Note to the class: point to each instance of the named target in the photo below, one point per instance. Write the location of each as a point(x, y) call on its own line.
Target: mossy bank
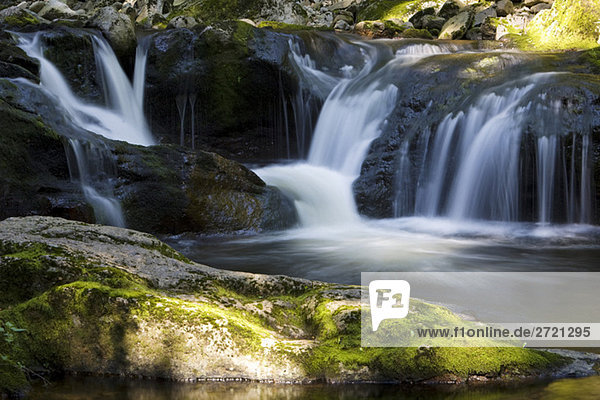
point(96, 299)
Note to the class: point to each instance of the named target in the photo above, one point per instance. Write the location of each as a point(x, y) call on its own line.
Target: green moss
point(221, 10)
point(569, 24)
point(283, 27)
point(593, 58)
point(388, 9)
point(21, 19)
point(417, 34)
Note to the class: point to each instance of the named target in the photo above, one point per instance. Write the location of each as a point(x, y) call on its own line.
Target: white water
point(473, 164)
point(121, 119)
point(89, 157)
point(351, 118)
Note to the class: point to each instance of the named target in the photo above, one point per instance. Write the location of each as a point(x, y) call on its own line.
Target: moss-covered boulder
point(110, 300)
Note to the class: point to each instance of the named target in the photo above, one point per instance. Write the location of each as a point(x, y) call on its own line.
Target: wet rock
point(457, 26)
point(117, 28)
point(134, 289)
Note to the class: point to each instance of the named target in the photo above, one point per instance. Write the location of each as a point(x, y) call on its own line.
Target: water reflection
point(76, 388)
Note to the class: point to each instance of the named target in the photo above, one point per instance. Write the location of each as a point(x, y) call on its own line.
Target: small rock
point(474, 34)
point(450, 9)
point(341, 25)
point(457, 26)
point(117, 28)
point(37, 6)
point(504, 7)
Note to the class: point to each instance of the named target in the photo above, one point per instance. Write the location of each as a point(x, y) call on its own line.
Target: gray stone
point(417, 18)
point(504, 7)
point(457, 26)
point(430, 22)
point(450, 9)
point(481, 16)
point(341, 25)
point(55, 9)
point(118, 29)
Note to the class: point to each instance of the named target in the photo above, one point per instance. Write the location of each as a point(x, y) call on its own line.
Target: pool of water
point(340, 253)
point(80, 388)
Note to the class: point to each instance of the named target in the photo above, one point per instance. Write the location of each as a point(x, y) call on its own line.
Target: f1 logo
point(389, 300)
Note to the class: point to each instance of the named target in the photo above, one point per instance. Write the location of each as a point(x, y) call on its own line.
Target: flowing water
point(122, 118)
point(462, 200)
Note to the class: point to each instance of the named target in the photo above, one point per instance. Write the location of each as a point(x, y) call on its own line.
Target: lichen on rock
point(111, 300)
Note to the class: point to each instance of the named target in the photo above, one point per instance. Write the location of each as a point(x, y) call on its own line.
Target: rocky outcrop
point(163, 189)
point(97, 300)
point(118, 29)
point(241, 88)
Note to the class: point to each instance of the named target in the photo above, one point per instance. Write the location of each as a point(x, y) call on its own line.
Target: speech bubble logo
point(389, 300)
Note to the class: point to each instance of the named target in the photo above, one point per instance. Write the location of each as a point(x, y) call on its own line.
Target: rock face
point(236, 73)
point(414, 120)
point(163, 189)
point(97, 299)
point(117, 28)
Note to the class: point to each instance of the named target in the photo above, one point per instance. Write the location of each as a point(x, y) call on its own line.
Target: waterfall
point(121, 119)
point(474, 162)
point(355, 108)
point(89, 163)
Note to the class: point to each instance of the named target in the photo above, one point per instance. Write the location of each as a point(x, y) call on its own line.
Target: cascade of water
point(351, 118)
point(473, 163)
point(181, 101)
point(88, 164)
point(193, 97)
point(122, 118)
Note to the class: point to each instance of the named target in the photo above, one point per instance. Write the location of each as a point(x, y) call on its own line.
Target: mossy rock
point(416, 34)
point(569, 24)
point(388, 9)
point(130, 305)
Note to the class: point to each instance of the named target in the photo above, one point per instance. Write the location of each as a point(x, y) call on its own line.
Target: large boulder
point(457, 26)
point(167, 189)
point(103, 300)
point(117, 28)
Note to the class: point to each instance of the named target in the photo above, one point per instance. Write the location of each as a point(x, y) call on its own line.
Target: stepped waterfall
point(121, 118)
